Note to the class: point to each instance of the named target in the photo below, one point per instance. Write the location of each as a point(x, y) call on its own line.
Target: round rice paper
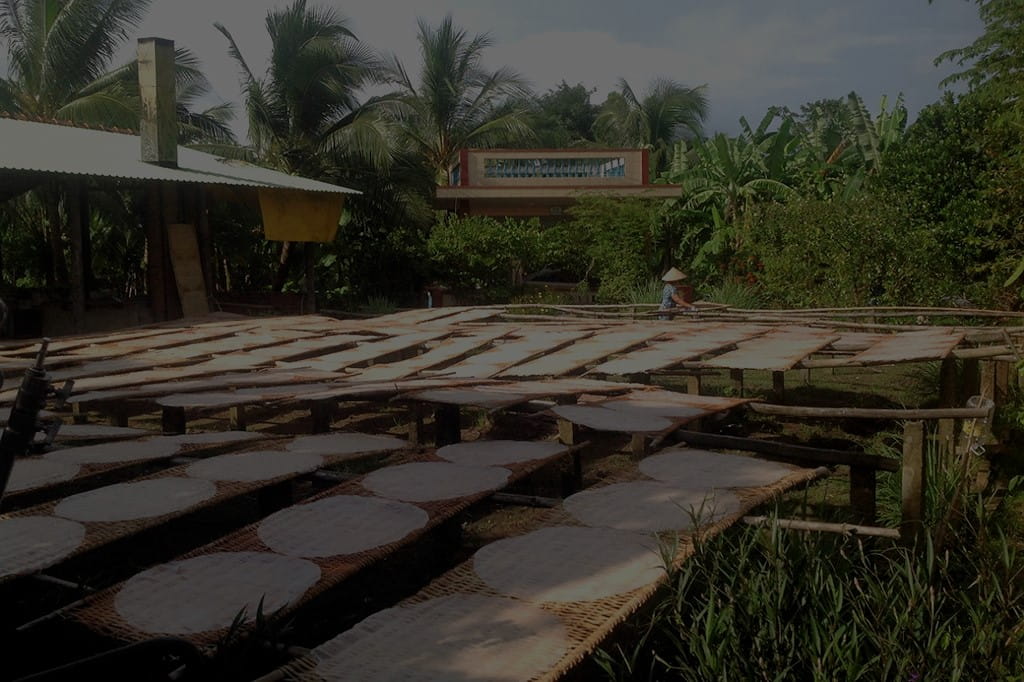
point(567, 563)
point(430, 481)
point(649, 507)
point(342, 524)
point(604, 419)
point(343, 443)
point(136, 500)
point(696, 469)
point(207, 592)
point(465, 637)
point(116, 453)
point(35, 472)
point(32, 543)
point(252, 467)
point(498, 452)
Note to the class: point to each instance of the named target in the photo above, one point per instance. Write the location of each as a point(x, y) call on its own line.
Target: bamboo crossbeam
point(869, 413)
point(787, 451)
point(843, 528)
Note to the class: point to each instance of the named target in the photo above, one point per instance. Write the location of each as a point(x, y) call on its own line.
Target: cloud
point(751, 55)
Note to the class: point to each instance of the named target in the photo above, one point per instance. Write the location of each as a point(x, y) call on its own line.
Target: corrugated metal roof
point(50, 148)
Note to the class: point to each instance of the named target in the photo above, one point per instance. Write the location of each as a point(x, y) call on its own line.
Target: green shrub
point(735, 293)
point(623, 243)
point(483, 254)
point(862, 251)
point(772, 604)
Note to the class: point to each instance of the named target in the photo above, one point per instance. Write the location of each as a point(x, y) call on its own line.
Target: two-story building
point(544, 183)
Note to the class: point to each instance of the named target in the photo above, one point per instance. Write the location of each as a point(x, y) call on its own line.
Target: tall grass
point(772, 604)
point(736, 294)
point(645, 292)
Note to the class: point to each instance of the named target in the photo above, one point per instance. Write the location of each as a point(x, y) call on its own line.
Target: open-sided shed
point(179, 184)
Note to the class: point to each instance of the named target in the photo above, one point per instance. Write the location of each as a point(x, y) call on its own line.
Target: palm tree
point(59, 68)
point(666, 113)
point(304, 114)
point(305, 109)
point(457, 103)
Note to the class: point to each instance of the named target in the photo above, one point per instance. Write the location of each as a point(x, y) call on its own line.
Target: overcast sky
point(752, 54)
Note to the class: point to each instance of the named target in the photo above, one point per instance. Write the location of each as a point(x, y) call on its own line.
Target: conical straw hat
point(673, 275)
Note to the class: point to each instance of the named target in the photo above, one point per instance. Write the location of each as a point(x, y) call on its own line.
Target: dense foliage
point(836, 202)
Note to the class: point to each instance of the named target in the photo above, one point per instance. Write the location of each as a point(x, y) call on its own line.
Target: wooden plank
point(472, 315)
point(582, 353)
point(450, 350)
point(777, 350)
point(366, 352)
point(269, 377)
point(863, 484)
point(693, 343)
point(931, 344)
point(501, 357)
point(186, 266)
point(913, 481)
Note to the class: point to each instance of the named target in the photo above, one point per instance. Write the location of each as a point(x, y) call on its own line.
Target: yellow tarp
point(296, 216)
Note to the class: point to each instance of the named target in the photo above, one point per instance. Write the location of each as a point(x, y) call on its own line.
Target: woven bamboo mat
point(102, 615)
point(586, 623)
point(101, 533)
point(41, 475)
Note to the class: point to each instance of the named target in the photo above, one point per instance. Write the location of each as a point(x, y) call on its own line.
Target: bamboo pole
point(785, 451)
point(868, 413)
point(843, 528)
point(913, 482)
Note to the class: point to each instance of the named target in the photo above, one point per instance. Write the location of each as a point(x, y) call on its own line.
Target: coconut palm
point(60, 67)
point(665, 114)
point(305, 110)
point(305, 116)
point(457, 103)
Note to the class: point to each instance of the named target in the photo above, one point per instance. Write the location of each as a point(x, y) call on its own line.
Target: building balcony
point(532, 182)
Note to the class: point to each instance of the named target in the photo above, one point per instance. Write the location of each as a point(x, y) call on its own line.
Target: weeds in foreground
point(736, 294)
point(770, 604)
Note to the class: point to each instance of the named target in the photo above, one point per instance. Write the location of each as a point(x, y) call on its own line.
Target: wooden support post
point(945, 439)
point(237, 418)
point(737, 381)
point(862, 492)
point(971, 383)
point(205, 239)
point(638, 445)
point(322, 413)
point(79, 414)
point(568, 433)
point(119, 417)
point(779, 384)
point(447, 426)
point(173, 420)
point(987, 380)
point(156, 244)
point(913, 482)
point(78, 224)
point(693, 384)
point(948, 382)
point(806, 375)
point(417, 434)
point(309, 250)
point(275, 497)
point(1002, 381)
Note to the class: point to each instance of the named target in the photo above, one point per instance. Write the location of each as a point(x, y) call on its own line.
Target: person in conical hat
point(672, 296)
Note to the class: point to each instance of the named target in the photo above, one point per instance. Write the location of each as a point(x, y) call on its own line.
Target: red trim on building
point(464, 167)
